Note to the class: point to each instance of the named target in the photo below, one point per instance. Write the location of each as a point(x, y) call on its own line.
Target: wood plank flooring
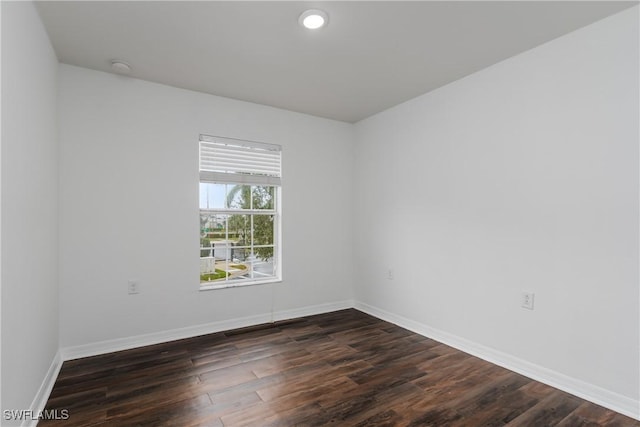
point(343, 368)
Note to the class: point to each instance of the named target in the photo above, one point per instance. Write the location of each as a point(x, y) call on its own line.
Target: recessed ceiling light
point(313, 19)
point(120, 67)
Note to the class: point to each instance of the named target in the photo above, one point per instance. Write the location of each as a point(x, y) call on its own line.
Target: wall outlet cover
point(527, 300)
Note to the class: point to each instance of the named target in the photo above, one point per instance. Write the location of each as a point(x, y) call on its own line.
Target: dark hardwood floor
point(344, 368)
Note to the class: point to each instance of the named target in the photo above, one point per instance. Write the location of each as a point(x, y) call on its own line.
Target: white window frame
point(267, 173)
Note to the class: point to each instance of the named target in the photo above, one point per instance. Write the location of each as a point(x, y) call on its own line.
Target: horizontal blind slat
point(238, 178)
point(239, 142)
point(225, 159)
point(210, 146)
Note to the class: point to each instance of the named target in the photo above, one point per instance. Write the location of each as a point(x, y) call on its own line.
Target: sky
point(212, 195)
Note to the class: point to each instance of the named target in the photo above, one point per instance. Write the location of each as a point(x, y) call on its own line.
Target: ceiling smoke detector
point(120, 67)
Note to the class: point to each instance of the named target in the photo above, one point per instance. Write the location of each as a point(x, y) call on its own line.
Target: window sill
point(238, 284)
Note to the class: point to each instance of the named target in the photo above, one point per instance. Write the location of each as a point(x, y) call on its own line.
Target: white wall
point(29, 205)
point(523, 176)
point(129, 207)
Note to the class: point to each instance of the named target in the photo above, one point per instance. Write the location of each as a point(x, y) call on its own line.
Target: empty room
point(350, 213)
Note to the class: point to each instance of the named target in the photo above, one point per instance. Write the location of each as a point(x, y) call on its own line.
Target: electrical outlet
point(133, 287)
point(527, 300)
point(390, 274)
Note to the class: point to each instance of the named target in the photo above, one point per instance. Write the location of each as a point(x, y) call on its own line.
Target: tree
point(256, 198)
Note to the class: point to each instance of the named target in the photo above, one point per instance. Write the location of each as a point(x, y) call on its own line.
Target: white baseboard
point(102, 347)
point(312, 310)
point(40, 400)
point(584, 390)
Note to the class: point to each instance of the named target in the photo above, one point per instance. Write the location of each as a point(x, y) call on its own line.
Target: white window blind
point(239, 162)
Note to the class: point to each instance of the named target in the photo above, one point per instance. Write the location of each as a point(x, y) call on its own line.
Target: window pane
point(231, 269)
point(212, 227)
point(212, 196)
point(212, 231)
point(238, 197)
point(214, 247)
point(241, 254)
point(263, 268)
point(240, 229)
point(263, 230)
point(263, 197)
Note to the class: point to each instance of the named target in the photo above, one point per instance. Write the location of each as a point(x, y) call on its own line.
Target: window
point(239, 212)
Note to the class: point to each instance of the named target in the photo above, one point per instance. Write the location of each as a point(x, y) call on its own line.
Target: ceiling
point(371, 56)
